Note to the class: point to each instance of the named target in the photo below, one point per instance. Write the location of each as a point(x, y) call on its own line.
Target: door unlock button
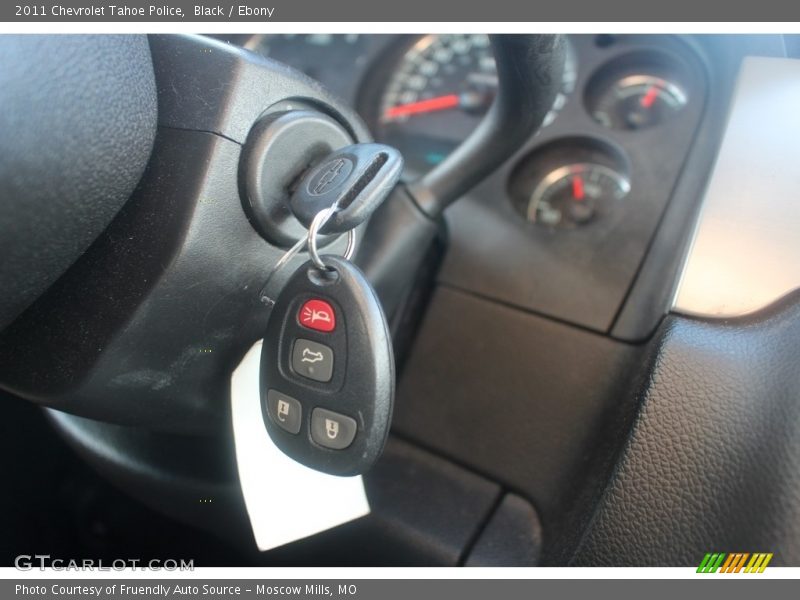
point(332, 430)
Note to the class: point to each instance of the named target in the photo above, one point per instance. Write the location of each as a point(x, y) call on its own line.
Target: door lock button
point(285, 411)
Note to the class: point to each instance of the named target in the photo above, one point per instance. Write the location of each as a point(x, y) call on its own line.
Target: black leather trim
point(713, 460)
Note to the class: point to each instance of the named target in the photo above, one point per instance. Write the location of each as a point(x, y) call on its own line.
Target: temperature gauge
point(570, 183)
point(571, 195)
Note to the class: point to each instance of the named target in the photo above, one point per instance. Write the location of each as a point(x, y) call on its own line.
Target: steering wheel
point(145, 315)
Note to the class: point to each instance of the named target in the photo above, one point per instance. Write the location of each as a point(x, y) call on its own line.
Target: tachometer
point(336, 60)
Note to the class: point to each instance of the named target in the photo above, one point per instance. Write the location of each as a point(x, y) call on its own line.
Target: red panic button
point(317, 314)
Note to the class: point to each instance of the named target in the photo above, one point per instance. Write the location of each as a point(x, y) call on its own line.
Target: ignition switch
point(280, 148)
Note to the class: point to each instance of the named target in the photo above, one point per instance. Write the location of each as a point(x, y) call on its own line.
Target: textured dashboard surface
point(77, 123)
point(520, 399)
point(713, 461)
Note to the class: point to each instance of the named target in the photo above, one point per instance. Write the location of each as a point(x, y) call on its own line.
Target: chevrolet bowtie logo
point(734, 562)
point(330, 175)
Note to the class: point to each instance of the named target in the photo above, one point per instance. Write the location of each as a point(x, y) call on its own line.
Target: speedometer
point(436, 92)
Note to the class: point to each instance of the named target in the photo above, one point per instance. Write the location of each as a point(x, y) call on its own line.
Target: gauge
point(569, 182)
point(336, 60)
point(438, 90)
point(570, 195)
point(635, 97)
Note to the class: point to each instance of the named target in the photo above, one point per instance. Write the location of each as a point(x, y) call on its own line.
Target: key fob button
point(285, 411)
point(332, 430)
point(312, 360)
point(318, 315)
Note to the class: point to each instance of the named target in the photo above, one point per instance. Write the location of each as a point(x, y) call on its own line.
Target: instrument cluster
point(425, 94)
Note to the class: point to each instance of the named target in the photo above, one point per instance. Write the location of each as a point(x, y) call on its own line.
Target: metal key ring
point(267, 293)
point(313, 231)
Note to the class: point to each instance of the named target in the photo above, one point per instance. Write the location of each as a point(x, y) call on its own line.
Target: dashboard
point(562, 228)
point(536, 387)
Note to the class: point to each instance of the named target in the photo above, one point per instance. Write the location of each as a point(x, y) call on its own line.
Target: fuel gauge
point(635, 95)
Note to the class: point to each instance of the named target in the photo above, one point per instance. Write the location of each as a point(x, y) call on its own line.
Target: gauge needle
point(650, 97)
point(424, 106)
point(577, 188)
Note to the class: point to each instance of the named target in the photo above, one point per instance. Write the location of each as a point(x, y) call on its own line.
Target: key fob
point(327, 370)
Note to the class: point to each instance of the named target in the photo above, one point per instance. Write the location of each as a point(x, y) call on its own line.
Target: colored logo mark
point(734, 562)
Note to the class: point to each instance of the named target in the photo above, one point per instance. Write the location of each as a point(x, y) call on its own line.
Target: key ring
point(313, 231)
point(266, 295)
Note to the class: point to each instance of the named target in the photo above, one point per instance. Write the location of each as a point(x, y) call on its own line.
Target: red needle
point(577, 188)
point(650, 97)
point(424, 106)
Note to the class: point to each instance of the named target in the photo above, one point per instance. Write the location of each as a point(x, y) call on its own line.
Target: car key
point(327, 366)
point(349, 183)
point(355, 179)
point(327, 369)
